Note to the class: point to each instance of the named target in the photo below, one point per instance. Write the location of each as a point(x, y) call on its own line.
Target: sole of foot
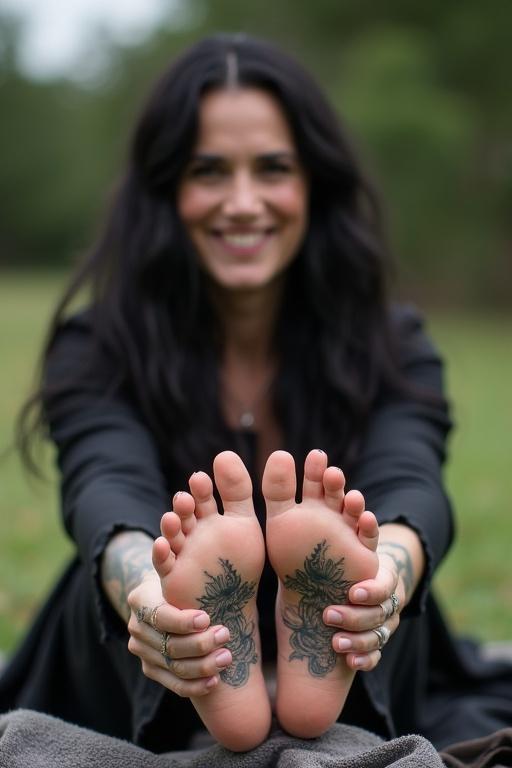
point(318, 549)
point(214, 562)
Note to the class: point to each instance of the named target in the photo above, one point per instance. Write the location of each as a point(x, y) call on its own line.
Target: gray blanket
point(32, 740)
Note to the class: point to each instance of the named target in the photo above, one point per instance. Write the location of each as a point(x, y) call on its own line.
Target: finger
point(168, 619)
point(198, 644)
point(354, 618)
point(363, 642)
point(186, 669)
point(374, 591)
point(181, 646)
point(183, 688)
point(363, 662)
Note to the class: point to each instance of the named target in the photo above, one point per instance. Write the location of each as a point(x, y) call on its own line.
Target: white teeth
point(245, 240)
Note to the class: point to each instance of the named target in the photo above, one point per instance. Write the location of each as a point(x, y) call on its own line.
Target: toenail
point(334, 617)
point(344, 644)
point(223, 658)
point(222, 635)
point(201, 621)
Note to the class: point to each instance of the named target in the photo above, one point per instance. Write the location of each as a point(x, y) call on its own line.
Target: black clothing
point(75, 663)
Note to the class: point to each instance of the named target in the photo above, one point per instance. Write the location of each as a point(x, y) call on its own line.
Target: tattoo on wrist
point(402, 559)
point(321, 583)
point(223, 599)
point(125, 563)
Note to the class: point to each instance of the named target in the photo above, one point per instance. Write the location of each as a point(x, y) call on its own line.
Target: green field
point(475, 582)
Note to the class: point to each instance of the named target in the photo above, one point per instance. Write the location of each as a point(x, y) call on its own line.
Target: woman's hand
point(373, 614)
point(177, 648)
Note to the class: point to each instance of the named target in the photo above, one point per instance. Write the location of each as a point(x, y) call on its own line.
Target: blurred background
point(425, 90)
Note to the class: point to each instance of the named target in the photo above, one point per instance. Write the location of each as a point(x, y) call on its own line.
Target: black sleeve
point(400, 467)
point(110, 469)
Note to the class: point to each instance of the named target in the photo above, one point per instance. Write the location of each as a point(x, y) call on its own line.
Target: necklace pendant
point(247, 420)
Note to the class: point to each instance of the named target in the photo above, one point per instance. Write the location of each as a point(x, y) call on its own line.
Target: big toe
point(233, 483)
point(279, 483)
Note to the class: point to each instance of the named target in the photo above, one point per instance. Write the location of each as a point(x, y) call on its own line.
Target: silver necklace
point(247, 411)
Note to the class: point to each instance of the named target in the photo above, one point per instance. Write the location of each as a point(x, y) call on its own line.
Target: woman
point(238, 308)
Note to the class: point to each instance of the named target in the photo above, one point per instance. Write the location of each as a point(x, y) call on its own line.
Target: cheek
point(193, 205)
point(291, 201)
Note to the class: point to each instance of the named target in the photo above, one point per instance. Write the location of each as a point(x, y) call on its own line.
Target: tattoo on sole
point(224, 597)
point(321, 583)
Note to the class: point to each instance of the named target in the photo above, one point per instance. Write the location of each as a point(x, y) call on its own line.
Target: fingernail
point(212, 682)
point(201, 621)
point(344, 644)
point(320, 450)
point(334, 617)
point(223, 658)
point(359, 661)
point(360, 595)
point(222, 635)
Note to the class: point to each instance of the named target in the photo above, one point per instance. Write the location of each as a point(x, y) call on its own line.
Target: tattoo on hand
point(321, 583)
point(402, 559)
point(126, 562)
point(224, 598)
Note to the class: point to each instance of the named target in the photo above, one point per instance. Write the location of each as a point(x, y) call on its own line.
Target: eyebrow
point(206, 157)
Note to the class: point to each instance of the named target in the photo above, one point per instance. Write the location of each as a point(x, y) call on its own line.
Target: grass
point(474, 582)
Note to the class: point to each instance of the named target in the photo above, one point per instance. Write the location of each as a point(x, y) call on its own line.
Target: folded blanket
point(33, 740)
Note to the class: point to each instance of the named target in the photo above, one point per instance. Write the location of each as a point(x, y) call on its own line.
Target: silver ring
point(395, 603)
point(383, 635)
point(152, 618)
point(163, 648)
point(387, 609)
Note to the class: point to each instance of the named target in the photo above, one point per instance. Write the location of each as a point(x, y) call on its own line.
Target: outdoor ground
point(474, 583)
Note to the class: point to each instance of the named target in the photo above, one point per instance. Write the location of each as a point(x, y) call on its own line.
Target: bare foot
point(318, 549)
point(214, 562)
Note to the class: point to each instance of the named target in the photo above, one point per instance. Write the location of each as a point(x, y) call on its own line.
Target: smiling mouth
point(244, 241)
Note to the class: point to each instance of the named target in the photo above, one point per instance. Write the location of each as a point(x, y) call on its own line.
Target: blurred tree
point(423, 86)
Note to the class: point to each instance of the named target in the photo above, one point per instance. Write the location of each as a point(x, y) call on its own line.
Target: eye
point(276, 167)
point(204, 170)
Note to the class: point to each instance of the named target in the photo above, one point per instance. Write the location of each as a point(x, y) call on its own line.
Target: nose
point(243, 199)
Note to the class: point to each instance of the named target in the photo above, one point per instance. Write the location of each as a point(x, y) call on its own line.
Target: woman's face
point(244, 196)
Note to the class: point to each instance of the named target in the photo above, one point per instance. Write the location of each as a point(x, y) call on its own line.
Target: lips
point(243, 241)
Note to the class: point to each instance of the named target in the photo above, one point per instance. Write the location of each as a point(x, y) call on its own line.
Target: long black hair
point(149, 306)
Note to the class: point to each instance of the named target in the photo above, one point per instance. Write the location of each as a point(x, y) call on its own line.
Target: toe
point(233, 483)
point(334, 488)
point(201, 488)
point(353, 507)
point(368, 530)
point(184, 506)
point(163, 557)
point(314, 468)
point(170, 525)
point(279, 482)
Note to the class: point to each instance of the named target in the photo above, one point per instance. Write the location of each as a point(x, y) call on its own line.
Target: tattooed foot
point(214, 562)
point(318, 551)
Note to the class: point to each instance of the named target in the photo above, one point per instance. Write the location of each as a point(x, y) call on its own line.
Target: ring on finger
point(163, 648)
point(383, 635)
point(387, 609)
point(395, 603)
point(152, 618)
